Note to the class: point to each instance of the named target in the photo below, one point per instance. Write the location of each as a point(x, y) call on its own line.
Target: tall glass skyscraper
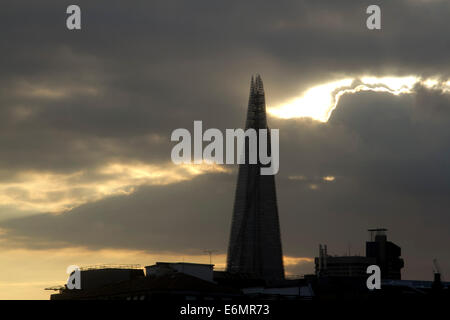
point(255, 242)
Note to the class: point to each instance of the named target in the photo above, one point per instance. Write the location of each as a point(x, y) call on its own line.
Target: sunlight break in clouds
point(50, 192)
point(319, 102)
point(314, 103)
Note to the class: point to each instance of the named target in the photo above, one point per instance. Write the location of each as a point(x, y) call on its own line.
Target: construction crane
point(210, 252)
point(55, 288)
point(436, 269)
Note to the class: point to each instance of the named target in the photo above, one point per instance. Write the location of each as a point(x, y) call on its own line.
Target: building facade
point(379, 251)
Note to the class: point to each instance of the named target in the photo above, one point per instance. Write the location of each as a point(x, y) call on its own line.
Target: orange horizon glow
point(26, 273)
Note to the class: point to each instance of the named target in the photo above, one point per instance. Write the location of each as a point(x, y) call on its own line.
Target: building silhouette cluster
point(379, 251)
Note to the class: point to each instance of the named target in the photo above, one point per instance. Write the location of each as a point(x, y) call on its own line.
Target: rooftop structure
point(201, 271)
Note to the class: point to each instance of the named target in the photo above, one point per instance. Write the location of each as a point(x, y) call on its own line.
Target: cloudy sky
point(86, 117)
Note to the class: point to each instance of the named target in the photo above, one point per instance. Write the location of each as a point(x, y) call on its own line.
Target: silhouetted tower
point(386, 253)
point(255, 242)
point(437, 283)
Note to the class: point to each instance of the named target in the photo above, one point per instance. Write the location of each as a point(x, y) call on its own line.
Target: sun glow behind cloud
point(51, 192)
point(319, 102)
point(314, 103)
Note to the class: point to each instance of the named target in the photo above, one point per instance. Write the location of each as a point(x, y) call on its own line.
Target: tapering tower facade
point(255, 241)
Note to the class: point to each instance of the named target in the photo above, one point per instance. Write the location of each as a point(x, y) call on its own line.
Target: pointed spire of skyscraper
point(259, 84)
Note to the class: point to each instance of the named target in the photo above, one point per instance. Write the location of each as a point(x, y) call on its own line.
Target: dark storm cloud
point(115, 90)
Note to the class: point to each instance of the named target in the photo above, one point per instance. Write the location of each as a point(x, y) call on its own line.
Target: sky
point(86, 117)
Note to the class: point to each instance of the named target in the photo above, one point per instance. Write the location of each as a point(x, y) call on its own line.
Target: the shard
point(255, 242)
